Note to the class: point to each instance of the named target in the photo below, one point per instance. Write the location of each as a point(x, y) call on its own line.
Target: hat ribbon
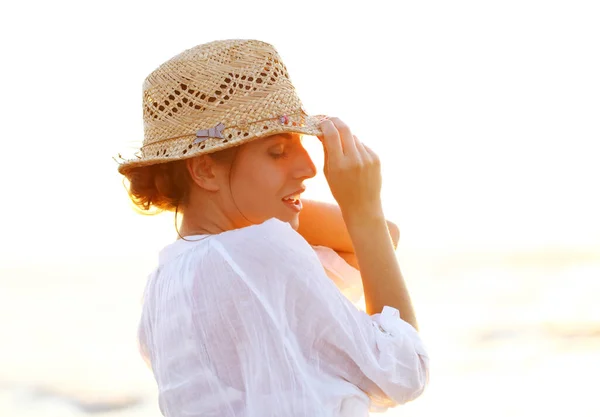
point(213, 132)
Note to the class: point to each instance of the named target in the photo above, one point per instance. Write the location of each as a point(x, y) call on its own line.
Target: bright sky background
point(486, 114)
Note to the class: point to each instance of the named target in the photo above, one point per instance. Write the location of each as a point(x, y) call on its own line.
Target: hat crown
point(234, 82)
point(214, 96)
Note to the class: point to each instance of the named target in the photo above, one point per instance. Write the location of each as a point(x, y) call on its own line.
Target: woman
point(240, 317)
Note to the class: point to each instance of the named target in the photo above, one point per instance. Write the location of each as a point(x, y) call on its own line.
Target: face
point(265, 172)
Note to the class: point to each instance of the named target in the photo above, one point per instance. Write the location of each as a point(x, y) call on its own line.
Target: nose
point(305, 168)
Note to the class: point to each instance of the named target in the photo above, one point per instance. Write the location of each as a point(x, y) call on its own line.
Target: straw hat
point(215, 96)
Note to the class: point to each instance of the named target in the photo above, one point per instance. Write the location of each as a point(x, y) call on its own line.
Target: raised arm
point(322, 224)
point(380, 353)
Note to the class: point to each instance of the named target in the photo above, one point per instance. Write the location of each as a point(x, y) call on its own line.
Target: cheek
point(260, 187)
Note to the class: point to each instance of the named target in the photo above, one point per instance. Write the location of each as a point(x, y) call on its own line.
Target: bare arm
point(323, 224)
point(353, 172)
point(368, 244)
point(383, 282)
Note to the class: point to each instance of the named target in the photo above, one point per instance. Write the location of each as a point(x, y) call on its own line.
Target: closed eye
point(276, 151)
point(279, 155)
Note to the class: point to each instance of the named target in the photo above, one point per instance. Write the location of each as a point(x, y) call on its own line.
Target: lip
point(300, 191)
point(296, 207)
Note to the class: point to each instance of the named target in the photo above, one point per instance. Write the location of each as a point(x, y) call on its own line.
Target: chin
point(293, 221)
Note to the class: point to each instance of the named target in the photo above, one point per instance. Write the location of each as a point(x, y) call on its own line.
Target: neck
point(205, 217)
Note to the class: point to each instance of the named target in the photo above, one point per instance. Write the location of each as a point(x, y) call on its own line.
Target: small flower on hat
point(284, 119)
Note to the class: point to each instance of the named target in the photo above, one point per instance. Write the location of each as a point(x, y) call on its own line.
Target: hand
point(352, 169)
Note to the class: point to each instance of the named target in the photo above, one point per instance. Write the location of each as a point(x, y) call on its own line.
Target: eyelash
point(283, 154)
point(279, 156)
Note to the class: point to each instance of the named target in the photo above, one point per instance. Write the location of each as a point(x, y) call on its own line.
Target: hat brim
point(188, 147)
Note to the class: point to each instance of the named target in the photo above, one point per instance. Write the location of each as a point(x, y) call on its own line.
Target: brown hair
point(165, 187)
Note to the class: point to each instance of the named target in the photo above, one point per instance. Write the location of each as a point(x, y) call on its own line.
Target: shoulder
point(272, 232)
point(273, 241)
point(270, 228)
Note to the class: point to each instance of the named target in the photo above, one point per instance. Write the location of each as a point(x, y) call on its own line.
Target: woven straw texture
point(239, 87)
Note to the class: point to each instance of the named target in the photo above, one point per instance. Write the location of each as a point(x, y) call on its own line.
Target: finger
point(348, 146)
point(331, 141)
point(372, 153)
point(360, 148)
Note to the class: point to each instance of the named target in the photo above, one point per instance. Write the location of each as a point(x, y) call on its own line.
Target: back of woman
point(240, 318)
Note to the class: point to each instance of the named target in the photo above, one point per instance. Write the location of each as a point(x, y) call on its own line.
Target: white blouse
point(249, 323)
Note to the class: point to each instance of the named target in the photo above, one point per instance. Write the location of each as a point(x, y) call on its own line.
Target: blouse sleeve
point(345, 277)
point(381, 354)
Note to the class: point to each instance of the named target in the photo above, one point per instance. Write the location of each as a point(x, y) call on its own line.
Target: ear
point(203, 171)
